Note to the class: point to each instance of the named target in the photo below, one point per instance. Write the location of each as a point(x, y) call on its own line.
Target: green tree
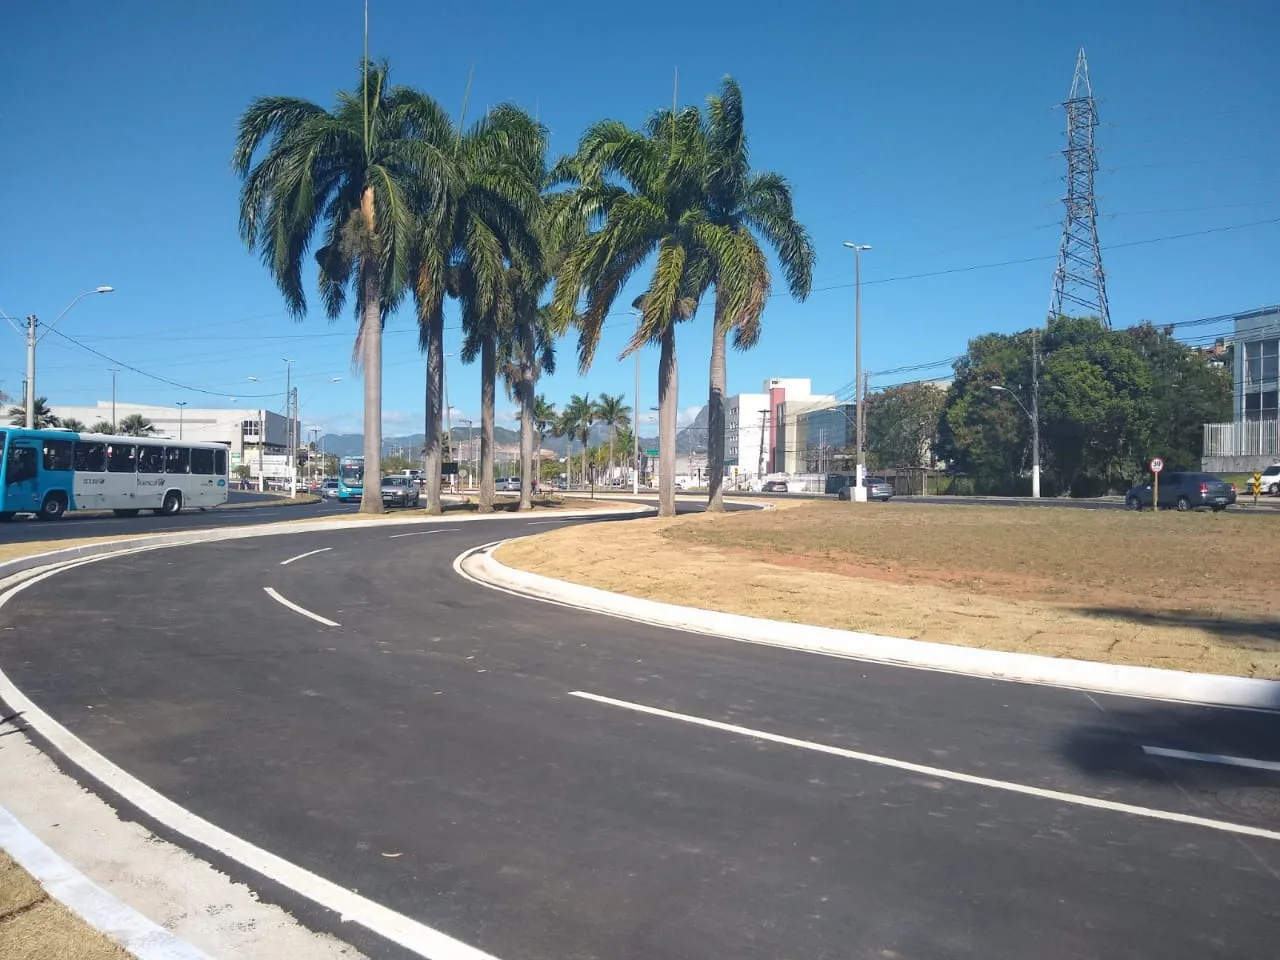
point(464, 236)
point(544, 421)
point(644, 193)
point(575, 423)
point(353, 173)
point(902, 424)
point(614, 414)
point(103, 426)
point(748, 208)
point(43, 416)
point(136, 425)
point(71, 423)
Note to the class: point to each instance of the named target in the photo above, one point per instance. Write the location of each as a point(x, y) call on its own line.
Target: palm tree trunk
point(371, 331)
point(668, 398)
point(612, 434)
point(434, 460)
point(488, 386)
point(715, 415)
point(527, 397)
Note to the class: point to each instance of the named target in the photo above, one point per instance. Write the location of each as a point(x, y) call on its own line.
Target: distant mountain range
point(692, 439)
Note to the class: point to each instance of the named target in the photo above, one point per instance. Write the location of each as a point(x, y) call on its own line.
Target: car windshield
point(393, 482)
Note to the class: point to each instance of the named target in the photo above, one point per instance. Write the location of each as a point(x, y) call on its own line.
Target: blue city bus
point(350, 479)
point(48, 472)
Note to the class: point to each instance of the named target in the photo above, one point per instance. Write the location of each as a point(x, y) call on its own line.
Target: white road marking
point(297, 609)
point(309, 553)
point(421, 533)
point(1212, 758)
point(534, 523)
point(415, 937)
point(938, 772)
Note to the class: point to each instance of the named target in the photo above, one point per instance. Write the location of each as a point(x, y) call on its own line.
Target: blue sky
point(927, 129)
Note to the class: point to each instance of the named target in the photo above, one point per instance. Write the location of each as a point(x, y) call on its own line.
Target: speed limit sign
point(1157, 465)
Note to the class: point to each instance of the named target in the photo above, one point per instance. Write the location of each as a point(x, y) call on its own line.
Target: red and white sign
point(1157, 465)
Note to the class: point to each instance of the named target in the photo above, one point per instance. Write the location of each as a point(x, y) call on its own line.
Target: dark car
point(774, 486)
point(1184, 491)
point(878, 488)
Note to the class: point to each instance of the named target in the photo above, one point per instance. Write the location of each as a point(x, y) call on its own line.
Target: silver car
point(399, 492)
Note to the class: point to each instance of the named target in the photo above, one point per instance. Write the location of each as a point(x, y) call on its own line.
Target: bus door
point(21, 476)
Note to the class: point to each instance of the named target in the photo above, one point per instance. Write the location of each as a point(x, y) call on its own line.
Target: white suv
point(1271, 480)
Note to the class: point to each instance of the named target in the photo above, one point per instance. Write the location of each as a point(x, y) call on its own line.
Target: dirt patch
point(1188, 592)
point(33, 926)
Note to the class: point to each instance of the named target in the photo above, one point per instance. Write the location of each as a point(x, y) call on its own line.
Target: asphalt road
point(439, 723)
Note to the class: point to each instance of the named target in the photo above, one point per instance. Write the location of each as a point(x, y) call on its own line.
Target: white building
point(761, 434)
point(746, 448)
point(263, 450)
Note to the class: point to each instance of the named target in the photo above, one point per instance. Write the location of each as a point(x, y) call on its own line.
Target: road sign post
point(1156, 466)
point(1257, 486)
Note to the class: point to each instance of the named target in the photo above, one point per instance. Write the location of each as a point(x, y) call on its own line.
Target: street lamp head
point(334, 379)
point(104, 289)
point(252, 379)
point(859, 247)
point(996, 386)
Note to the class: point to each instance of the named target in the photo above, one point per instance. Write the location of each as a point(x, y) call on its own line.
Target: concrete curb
point(99, 909)
point(480, 566)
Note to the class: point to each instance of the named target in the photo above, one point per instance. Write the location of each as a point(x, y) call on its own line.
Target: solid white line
point(413, 936)
point(421, 533)
point(1212, 758)
point(938, 772)
point(297, 609)
point(105, 913)
point(309, 553)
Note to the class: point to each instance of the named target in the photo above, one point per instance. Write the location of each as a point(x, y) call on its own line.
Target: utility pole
point(1035, 414)
point(635, 435)
point(181, 404)
point(33, 339)
point(860, 471)
point(114, 371)
point(294, 427)
point(262, 436)
point(764, 427)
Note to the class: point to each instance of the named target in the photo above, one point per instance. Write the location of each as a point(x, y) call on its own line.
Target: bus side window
point(201, 461)
point(121, 458)
point(220, 463)
point(20, 465)
point(57, 454)
point(90, 457)
point(177, 459)
point(150, 459)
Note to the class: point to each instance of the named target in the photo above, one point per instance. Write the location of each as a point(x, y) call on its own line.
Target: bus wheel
point(125, 513)
point(7, 516)
point(54, 507)
point(172, 504)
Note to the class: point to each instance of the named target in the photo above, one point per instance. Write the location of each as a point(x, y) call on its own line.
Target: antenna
point(1079, 280)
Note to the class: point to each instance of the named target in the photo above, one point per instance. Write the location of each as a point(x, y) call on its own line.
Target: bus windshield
point(352, 474)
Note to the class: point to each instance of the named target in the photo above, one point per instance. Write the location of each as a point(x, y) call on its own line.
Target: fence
point(1240, 446)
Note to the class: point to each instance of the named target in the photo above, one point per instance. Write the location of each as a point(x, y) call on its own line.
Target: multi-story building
point(746, 450)
point(1252, 439)
point(789, 400)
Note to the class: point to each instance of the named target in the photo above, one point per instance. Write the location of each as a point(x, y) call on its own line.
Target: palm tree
point(614, 414)
point(103, 426)
point(580, 414)
point(463, 239)
point(44, 417)
point(544, 421)
point(566, 426)
point(643, 192)
point(136, 425)
point(747, 207)
point(527, 351)
point(352, 173)
point(71, 423)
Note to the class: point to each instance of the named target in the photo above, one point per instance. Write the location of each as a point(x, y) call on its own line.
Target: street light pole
point(180, 404)
point(1034, 416)
point(859, 492)
point(635, 435)
point(33, 339)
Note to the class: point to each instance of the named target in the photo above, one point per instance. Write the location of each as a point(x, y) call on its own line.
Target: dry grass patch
point(33, 926)
point(1190, 592)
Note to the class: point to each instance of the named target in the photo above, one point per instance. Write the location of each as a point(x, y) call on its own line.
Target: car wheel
point(54, 507)
point(1183, 504)
point(1133, 503)
point(1274, 489)
point(1218, 509)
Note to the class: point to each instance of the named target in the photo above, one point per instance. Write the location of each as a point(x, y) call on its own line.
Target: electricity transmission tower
point(1079, 284)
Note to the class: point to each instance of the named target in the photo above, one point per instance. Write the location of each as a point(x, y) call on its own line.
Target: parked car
point(1270, 481)
point(399, 492)
point(774, 486)
point(328, 489)
point(878, 488)
point(1184, 491)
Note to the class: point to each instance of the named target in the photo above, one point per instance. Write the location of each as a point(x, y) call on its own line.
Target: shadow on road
point(1236, 627)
